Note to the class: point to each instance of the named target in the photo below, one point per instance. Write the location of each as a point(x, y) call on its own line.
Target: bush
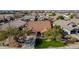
point(60, 17)
point(3, 36)
point(52, 14)
point(72, 16)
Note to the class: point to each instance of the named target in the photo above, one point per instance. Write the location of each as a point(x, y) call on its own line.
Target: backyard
point(43, 43)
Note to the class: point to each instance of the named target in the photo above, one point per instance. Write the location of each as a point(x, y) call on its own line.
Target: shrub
point(60, 17)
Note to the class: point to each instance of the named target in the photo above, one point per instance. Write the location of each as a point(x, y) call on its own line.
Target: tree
point(3, 35)
point(60, 17)
point(54, 33)
point(11, 31)
point(27, 31)
point(72, 16)
point(52, 14)
point(48, 34)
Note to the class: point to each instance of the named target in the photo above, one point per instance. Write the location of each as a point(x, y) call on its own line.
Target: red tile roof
point(38, 26)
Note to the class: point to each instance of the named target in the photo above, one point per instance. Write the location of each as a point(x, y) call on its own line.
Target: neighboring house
point(42, 18)
point(28, 17)
point(69, 26)
point(77, 16)
point(66, 17)
point(5, 18)
point(15, 23)
point(38, 26)
point(6, 15)
point(27, 42)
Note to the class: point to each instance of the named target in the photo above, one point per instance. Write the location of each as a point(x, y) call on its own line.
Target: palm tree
point(54, 33)
point(48, 34)
point(26, 31)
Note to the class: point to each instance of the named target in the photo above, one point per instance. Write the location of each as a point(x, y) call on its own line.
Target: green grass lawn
point(42, 43)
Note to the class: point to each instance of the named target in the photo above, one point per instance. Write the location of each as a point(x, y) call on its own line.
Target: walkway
point(70, 46)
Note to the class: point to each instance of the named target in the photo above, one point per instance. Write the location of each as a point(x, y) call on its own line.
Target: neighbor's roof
point(28, 17)
point(64, 23)
point(38, 26)
point(5, 15)
point(15, 23)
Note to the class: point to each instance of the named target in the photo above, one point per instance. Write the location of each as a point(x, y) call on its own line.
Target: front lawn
point(42, 43)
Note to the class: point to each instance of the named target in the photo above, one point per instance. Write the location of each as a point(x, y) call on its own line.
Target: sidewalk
point(71, 46)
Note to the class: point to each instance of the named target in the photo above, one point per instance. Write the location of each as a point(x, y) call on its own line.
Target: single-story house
point(6, 15)
point(66, 17)
point(21, 42)
point(42, 18)
point(34, 17)
point(28, 17)
point(29, 42)
point(4, 18)
point(77, 16)
point(15, 24)
point(69, 26)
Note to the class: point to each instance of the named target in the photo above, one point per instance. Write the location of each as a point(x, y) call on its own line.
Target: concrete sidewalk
point(70, 46)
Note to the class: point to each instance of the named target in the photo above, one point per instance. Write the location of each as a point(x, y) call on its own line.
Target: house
point(21, 42)
point(15, 24)
point(6, 15)
point(77, 16)
point(28, 17)
point(69, 26)
point(4, 18)
point(66, 17)
point(38, 26)
point(29, 42)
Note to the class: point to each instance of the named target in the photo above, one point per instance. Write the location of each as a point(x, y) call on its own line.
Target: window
point(73, 32)
point(78, 30)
